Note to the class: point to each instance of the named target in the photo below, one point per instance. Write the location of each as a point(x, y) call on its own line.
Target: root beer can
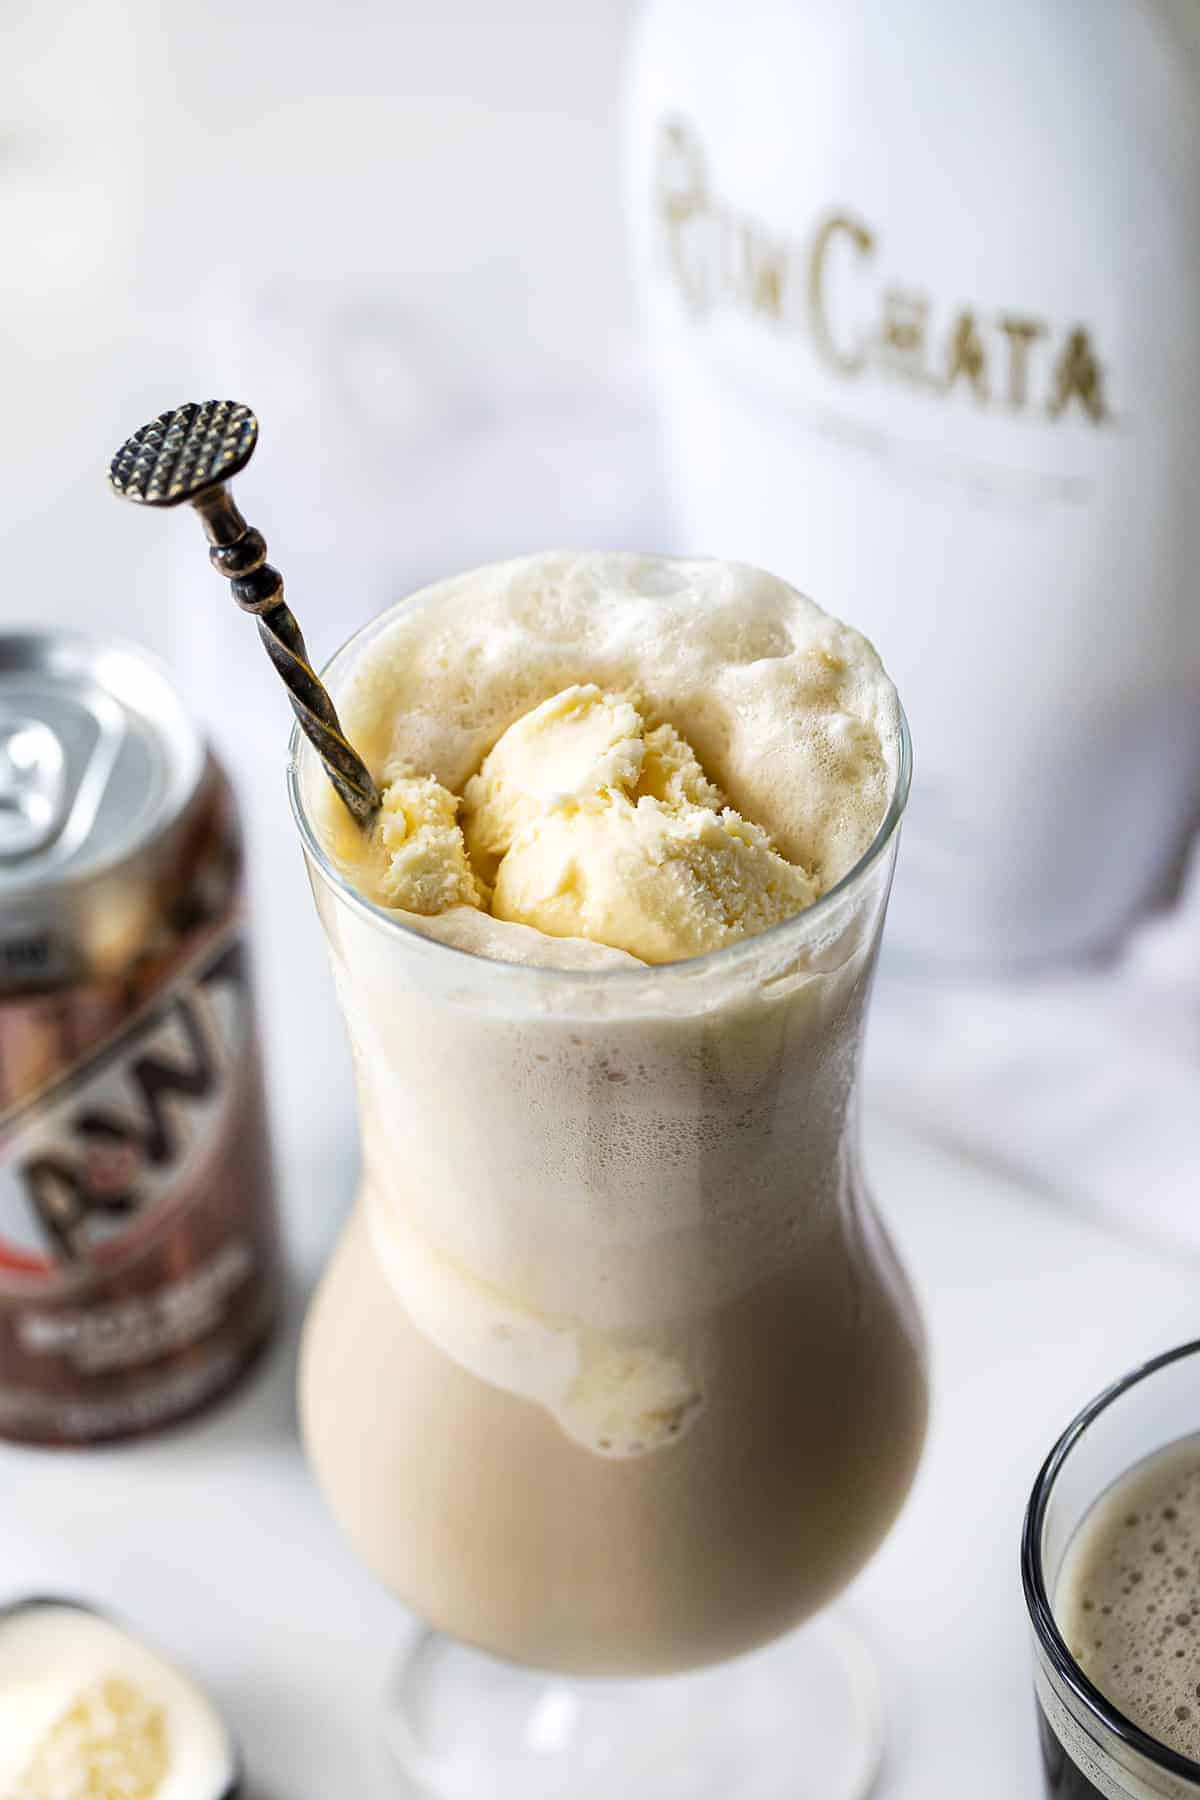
point(139, 1254)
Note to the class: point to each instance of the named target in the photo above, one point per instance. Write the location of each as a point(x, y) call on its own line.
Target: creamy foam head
point(790, 712)
point(1128, 1597)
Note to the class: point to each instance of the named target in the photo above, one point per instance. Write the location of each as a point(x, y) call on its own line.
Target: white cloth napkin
point(1085, 1083)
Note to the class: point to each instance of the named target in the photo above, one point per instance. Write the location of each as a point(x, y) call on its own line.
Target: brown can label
point(137, 1233)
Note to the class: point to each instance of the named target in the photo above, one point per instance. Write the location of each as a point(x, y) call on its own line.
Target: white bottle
point(923, 284)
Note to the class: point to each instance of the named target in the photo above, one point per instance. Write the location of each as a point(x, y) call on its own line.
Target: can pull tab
point(33, 786)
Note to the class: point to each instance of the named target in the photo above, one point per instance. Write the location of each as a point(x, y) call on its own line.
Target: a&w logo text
point(88, 1163)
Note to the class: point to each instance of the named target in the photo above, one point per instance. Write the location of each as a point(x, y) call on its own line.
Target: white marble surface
point(213, 1541)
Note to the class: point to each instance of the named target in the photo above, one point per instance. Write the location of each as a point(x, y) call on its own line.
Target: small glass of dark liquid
point(1110, 1560)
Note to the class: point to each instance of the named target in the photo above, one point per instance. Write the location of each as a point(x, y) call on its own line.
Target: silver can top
point(97, 757)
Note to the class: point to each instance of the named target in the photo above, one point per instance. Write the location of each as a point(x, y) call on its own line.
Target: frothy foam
point(1128, 1598)
point(789, 711)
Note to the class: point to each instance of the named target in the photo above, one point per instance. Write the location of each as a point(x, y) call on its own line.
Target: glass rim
point(1037, 1600)
point(615, 979)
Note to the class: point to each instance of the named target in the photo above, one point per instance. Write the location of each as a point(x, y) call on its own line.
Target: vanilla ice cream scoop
point(592, 826)
point(657, 881)
point(574, 746)
point(427, 871)
point(86, 1709)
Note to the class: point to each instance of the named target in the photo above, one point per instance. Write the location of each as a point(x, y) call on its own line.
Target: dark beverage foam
point(1128, 1598)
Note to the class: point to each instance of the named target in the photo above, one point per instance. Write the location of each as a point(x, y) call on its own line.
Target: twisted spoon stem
point(239, 552)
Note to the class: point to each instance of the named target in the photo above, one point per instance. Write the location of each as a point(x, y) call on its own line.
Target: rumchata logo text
point(831, 284)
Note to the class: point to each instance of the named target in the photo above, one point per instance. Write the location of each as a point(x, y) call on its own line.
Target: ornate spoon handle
point(188, 455)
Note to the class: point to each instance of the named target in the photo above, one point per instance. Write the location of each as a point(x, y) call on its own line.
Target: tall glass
point(614, 1372)
point(1090, 1750)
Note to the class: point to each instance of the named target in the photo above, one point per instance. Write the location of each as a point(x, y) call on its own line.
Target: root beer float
point(615, 1370)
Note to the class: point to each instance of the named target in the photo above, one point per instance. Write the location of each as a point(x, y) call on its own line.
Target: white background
point(396, 230)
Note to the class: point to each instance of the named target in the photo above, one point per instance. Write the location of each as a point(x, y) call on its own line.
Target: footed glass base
point(800, 1720)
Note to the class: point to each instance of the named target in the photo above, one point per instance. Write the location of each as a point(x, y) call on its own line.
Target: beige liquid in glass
point(614, 1370)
